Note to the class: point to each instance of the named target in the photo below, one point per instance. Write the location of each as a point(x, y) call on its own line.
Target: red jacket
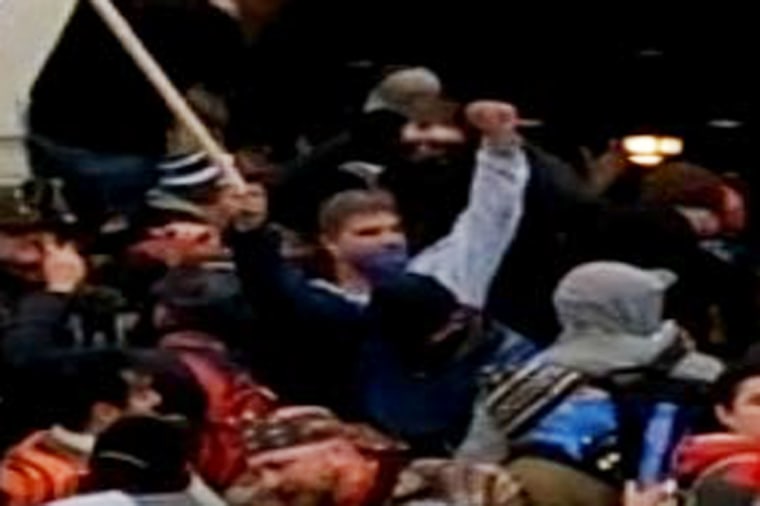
point(233, 399)
point(721, 469)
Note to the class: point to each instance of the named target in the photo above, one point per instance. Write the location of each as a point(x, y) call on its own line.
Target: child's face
point(743, 416)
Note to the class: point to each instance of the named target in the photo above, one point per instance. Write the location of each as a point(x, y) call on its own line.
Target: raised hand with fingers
point(244, 209)
point(496, 121)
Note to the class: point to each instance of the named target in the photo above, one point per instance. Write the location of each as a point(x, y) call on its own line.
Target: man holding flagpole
point(95, 121)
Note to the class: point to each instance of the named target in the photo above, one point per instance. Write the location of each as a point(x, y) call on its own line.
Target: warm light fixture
point(641, 144)
point(650, 150)
point(671, 146)
point(646, 160)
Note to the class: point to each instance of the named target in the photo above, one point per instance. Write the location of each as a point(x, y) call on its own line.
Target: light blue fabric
point(466, 260)
point(585, 417)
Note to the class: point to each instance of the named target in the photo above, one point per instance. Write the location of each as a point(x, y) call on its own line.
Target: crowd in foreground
point(426, 309)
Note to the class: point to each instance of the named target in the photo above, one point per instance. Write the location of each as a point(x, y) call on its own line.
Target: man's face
point(424, 141)
point(743, 417)
point(366, 233)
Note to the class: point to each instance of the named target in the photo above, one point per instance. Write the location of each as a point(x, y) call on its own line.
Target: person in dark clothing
point(372, 139)
point(144, 460)
point(94, 120)
point(83, 394)
point(683, 225)
point(432, 170)
point(327, 321)
point(46, 276)
point(557, 206)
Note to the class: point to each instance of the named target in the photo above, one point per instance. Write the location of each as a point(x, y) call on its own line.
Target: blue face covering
point(383, 264)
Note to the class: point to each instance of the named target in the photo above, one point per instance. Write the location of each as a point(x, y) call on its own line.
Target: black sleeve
point(38, 328)
point(280, 290)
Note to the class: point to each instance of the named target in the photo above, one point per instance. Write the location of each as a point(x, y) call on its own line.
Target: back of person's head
point(142, 455)
point(200, 299)
point(684, 184)
point(417, 314)
point(89, 390)
point(340, 208)
point(612, 297)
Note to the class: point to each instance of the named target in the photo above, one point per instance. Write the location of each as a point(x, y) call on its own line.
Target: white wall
point(28, 31)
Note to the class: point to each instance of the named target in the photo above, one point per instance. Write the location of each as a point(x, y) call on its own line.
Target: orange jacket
point(39, 469)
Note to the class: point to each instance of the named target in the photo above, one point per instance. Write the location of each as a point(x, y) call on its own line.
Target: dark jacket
point(309, 346)
point(564, 225)
point(33, 331)
point(324, 349)
point(557, 206)
point(90, 94)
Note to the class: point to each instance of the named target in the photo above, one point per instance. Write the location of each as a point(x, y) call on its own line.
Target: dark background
point(586, 72)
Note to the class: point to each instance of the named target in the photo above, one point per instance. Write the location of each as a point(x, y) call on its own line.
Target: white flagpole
point(163, 85)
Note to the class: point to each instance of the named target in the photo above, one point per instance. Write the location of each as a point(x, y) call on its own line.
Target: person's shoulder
point(96, 499)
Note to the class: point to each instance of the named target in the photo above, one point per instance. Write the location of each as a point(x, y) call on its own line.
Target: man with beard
point(431, 177)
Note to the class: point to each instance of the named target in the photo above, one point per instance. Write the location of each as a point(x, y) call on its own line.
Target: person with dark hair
point(431, 175)
point(85, 393)
point(723, 468)
point(717, 300)
point(143, 460)
point(41, 278)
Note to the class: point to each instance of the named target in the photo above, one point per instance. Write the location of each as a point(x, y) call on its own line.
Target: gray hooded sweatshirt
point(612, 319)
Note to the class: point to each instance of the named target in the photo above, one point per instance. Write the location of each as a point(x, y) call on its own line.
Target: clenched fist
point(497, 121)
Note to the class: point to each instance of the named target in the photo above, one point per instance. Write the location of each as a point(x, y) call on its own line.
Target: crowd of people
point(426, 308)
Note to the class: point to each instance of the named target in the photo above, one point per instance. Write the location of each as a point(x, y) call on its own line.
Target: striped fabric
point(39, 470)
point(186, 172)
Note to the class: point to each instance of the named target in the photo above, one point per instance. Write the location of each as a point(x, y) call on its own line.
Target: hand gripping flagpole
point(163, 85)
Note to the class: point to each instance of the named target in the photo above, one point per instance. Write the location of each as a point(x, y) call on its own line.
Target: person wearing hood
point(723, 468)
point(615, 350)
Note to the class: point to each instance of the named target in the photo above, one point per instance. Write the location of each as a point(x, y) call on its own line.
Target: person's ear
point(724, 416)
point(328, 244)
